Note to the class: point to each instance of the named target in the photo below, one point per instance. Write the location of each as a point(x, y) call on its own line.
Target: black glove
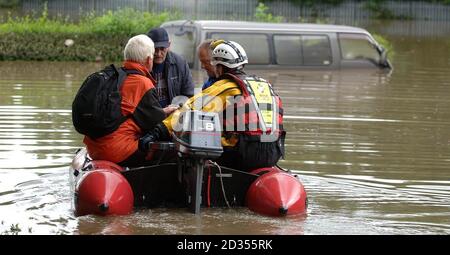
point(159, 133)
point(144, 142)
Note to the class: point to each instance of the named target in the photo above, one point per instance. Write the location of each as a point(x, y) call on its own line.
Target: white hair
point(138, 48)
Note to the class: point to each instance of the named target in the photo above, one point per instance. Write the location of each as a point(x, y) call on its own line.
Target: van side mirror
point(384, 62)
point(183, 30)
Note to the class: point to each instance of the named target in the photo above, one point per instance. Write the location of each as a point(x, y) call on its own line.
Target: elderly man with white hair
point(139, 104)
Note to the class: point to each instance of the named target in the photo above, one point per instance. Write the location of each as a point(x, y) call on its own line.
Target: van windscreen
point(358, 47)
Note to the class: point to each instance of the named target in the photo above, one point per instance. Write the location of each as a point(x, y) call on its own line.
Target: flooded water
point(372, 149)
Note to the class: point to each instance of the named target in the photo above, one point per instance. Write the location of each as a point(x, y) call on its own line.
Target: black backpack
point(96, 109)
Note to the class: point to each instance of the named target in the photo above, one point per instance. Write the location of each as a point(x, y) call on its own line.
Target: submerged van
point(282, 45)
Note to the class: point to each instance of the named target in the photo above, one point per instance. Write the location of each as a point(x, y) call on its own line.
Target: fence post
point(410, 10)
point(196, 9)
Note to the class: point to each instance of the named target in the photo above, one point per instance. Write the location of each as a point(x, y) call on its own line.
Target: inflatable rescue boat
point(191, 179)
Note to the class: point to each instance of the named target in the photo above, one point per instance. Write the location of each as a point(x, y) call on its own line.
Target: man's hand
point(159, 133)
point(170, 108)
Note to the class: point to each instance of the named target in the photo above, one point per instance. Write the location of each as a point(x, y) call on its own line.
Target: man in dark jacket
point(170, 70)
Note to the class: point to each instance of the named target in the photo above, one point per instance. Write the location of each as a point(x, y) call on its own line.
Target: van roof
point(262, 26)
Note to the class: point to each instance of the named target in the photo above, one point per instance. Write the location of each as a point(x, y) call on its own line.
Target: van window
point(316, 50)
point(288, 49)
point(183, 43)
point(356, 46)
point(312, 50)
point(255, 45)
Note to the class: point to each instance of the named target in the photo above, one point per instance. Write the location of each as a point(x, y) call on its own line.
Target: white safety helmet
point(228, 53)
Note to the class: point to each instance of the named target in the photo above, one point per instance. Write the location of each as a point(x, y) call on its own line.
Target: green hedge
point(51, 46)
point(95, 38)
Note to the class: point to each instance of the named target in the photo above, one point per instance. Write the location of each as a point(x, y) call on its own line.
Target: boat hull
point(104, 188)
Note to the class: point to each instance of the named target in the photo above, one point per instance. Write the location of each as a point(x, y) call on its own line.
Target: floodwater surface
point(372, 149)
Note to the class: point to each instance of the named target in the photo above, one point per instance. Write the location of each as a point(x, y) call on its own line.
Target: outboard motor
point(198, 135)
point(197, 138)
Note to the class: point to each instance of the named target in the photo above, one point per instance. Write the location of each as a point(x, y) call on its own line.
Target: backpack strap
point(123, 73)
point(121, 76)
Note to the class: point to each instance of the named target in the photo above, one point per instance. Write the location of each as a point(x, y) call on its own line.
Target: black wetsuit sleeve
point(148, 112)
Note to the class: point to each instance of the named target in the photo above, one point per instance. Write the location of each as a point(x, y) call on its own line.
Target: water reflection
point(162, 221)
point(372, 149)
point(35, 200)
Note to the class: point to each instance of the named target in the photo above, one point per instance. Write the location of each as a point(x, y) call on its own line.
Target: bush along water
point(93, 38)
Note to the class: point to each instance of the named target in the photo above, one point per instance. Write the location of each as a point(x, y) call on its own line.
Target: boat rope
point(286, 170)
point(221, 182)
point(149, 167)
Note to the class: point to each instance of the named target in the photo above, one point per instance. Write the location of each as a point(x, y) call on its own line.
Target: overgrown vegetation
point(93, 38)
point(338, 2)
point(376, 7)
point(309, 3)
point(380, 11)
point(262, 14)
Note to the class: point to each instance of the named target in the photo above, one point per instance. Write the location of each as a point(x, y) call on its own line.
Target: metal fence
point(351, 12)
